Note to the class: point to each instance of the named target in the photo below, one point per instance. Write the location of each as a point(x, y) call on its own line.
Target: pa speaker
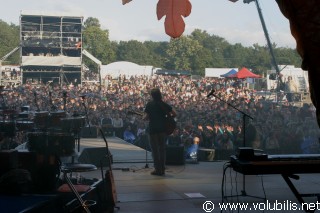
point(8, 160)
point(175, 155)
point(96, 156)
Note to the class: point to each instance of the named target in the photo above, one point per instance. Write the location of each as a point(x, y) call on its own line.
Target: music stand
point(244, 115)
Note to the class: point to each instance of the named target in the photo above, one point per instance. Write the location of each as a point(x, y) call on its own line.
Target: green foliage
point(9, 39)
point(97, 42)
point(194, 52)
point(134, 51)
point(157, 52)
point(91, 22)
point(180, 53)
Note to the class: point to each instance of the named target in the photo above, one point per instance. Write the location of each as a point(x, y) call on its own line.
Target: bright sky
point(236, 22)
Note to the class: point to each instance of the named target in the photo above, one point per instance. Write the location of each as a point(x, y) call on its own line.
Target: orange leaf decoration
point(126, 1)
point(174, 10)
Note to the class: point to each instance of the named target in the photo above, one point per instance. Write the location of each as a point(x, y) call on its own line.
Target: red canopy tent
point(244, 73)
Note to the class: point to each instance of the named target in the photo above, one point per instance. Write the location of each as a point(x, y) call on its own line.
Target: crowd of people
point(274, 126)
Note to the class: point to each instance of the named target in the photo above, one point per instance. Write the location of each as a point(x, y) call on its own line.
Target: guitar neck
point(136, 113)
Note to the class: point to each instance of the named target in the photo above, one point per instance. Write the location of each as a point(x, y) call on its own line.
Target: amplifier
point(8, 160)
point(175, 155)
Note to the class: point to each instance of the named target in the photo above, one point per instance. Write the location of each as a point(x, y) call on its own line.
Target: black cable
point(263, 189)
point(225, 167)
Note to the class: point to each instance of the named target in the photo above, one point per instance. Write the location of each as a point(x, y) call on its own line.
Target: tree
point(134, 51)
point(235, 55)
point(287, 56)
point(9, 39)
point(259, 59)
point(96, 41)
point(91, 22)
point(216, 45)
point(180, 53)
point(157, 51)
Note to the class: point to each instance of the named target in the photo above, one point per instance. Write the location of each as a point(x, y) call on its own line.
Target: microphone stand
point(36, 101)
point(86, 113)
point(3, 104)
point(244, 115)
point(53, 107)
point(64, 94)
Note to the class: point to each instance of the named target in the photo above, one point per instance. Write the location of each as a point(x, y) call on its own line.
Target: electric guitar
point(109, 180)
point(170, 123)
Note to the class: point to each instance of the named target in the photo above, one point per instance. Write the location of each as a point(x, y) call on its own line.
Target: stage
point(184, 188)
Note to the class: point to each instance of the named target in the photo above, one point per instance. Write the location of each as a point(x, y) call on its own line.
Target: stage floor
point(185, 188)
point(121, 151)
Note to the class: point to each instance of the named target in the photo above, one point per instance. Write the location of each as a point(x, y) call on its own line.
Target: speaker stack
point(175, 155)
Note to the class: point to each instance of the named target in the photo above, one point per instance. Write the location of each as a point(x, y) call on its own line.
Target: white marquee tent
point(125, 68)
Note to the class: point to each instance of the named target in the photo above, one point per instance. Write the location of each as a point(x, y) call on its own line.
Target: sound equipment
point(89, 132)
point(7, 128)
point(288, 166)
point(206, 154)
point(94, 156)
point(41, 119)
point(57, 144)
point(73, 124)
point(54, 119)
point(23, 125)
point(8, 160)
point(175, 155)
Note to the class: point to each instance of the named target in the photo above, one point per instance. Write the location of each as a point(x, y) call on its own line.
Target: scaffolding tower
point(51, 48)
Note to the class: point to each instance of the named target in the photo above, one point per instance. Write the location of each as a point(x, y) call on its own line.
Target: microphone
point(211, 93)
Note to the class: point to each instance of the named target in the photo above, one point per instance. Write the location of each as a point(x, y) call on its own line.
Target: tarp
point(244, 73)
point(217, 72)
point(231, 72)
point(50, 61)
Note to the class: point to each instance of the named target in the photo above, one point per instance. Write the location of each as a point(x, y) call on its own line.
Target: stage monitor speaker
point(89, 132)
point(96, 156)
point(175, 155)
point(8, 160)
point(206, 154)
